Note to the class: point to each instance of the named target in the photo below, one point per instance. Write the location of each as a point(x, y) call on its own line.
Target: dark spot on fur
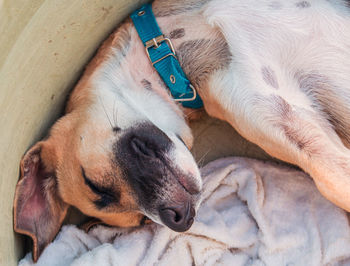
point(146, 84)
point(169, 7)
point(177, 33)
point(303, 4)
point(285, 112)
point(201, 58)
point(328, 99)
point(282, 107)
point(116, 129)
point(275, 5)
point(293, 126)
point(293, 136)
point(106, 193)
point(269, 77)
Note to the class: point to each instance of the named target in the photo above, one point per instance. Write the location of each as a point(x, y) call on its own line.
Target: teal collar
point(162, 55)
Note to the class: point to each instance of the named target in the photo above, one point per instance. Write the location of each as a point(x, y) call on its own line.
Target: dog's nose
point(178, 218)
point(142, 147)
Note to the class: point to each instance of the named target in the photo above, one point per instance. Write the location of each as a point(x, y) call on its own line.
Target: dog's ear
point(38, 209)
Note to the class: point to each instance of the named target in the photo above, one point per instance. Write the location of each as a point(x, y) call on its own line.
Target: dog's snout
point(142, 148)
point(161, 174)
point(178, 218)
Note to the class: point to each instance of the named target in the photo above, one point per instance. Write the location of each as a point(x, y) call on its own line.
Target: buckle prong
point(155, 42)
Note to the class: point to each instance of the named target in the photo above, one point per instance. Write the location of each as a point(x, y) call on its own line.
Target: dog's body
point(277, 71)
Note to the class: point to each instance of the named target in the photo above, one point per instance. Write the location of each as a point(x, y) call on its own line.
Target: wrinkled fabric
point(252, 213)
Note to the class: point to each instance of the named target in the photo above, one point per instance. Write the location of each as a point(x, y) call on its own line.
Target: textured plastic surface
point(44, 46)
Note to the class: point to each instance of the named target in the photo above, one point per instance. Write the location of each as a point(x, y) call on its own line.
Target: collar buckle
point(161, 53)
point(155, 43)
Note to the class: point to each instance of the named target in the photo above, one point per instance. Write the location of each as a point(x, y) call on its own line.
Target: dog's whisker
point(201, 160)
point(104, 109)
point(115, 113)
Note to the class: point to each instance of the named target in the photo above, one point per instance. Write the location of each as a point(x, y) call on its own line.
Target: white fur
point(287, 39)
point(279, 37)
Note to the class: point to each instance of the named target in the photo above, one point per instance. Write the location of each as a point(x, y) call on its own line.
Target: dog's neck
point(123, 80)
point(201, 50)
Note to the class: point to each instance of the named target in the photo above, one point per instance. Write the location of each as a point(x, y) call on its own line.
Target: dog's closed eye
point(107, 195)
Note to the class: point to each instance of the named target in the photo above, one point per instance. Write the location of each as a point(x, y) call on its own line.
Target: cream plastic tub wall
point(45, 45)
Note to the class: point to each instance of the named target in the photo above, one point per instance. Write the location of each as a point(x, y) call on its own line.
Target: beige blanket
point(253, 213)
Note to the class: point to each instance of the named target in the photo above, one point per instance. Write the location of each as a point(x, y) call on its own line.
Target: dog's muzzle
point(165, 190)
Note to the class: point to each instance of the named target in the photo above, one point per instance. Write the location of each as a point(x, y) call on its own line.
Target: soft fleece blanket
point(253, 213)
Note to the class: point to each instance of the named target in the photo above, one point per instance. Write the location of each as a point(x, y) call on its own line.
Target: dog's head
point(117, 174)
point(118, 155)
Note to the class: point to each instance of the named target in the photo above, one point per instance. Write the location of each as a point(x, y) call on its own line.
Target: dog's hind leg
point(287, 86)
point(295, 134)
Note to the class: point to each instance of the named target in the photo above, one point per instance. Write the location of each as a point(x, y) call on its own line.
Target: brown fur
point(164, 8)
point(322, 91)
point(201, 58)
point(177, 33)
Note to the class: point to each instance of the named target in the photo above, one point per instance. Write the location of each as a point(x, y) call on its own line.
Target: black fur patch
point(143, 161)
point(303, 4)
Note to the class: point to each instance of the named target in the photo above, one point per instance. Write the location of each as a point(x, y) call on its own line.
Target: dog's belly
point(298, 51)
point(287, 87)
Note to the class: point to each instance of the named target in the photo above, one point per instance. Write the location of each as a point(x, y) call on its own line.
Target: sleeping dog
point(277, 71)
